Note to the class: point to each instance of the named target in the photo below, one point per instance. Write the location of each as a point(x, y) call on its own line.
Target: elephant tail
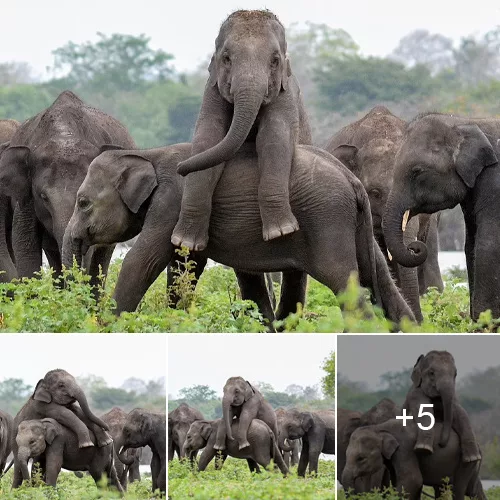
point(276, 453)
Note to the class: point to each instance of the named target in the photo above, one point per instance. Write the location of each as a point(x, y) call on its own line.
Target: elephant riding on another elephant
point(445, 160)
point(368, 148)
point(179, 421)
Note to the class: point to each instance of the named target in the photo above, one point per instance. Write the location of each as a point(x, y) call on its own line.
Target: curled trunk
point(282, 440)
point(121, 451)
point(82, 401)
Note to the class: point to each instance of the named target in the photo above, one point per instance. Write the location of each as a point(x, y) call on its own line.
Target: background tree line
point(125, 77)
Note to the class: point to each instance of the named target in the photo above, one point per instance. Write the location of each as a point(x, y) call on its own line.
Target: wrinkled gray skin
point(252, 96)
point(374, 450)
point(115, 419)
point(329, 201)
point(54, 447)
point(261, 449)
point(348, 421)
point(243, 401)
point(146, 428)
point(7, 130)
point(54, 397)
point(433, 380)
point(41, 171)
point(368, 148)
point(317, 430)
point(292, 456)
point(6, 432)
point(179, 421)
point(445, 160)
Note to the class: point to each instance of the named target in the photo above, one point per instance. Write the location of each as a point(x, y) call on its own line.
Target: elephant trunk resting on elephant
point(143, 190)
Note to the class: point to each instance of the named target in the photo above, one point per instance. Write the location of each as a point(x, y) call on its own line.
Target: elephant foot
point(104, 440)
point(274, 227)
point(191, 233)
point(423, 448)
point(470, 451)
point(218, 446)
point(85, 444)
point(471, 458)
point(244, 444)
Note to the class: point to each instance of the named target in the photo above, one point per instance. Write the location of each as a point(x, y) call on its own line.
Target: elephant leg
point(99, 264)
point(468, 444)
point(102, 437)
point(155, 470)
point(6, 253)
point(171, 450)
point(253, 466)
point(293, 292)
point(304, 459)
point(470, 243)
point(429, 273)
point(220, 458)
point(286, 458)
point(177, 263)
point(253, 287)
point(206, 457)
point(53, 465)
point(220, 440)
point(314, 452)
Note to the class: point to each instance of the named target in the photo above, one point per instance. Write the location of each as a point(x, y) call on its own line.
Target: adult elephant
point(348, 421)
point(317, 431)
point(368, 148)
point(115, 420)
point(41, 171)
point(54, 397)
point(289, 457)
point(445, 160)
point(336, 236)
point(179, 421)
point(146, 428)
point(6, 433)
point(376, 450)
point(433, 378)
point(54, 446)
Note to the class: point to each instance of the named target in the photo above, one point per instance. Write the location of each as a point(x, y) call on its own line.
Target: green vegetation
point(234, 481)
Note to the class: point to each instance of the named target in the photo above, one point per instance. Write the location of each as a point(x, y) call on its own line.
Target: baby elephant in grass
point(263, 446)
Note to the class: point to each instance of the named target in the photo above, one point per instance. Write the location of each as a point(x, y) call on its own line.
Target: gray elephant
point(54, 446)
point(146, 428)
point(41, 171)
point(376, 450)
point(317, 430)
point(261, 449)
point(289, 457)
point(115, 419)
point(6, 432)
point(143, 191)
point(445, 160)
point(179, 421)
point(242, 401)
point(54, 397)
point(433, 380)
point(368, 148)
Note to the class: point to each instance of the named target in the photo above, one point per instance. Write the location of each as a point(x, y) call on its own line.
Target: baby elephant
point(262, 444)
point(55, 447)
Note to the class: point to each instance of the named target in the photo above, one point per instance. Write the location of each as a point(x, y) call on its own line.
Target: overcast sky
point(365, 357)
point(115, 357)
point(31, 29)
point(278, 359)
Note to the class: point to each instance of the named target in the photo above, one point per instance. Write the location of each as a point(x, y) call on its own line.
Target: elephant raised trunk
point(226, 410)
point(412, 255)
point(249, 92)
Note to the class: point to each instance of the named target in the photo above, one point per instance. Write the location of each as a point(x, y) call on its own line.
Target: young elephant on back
point(433, 380)
point(262, 446)
point(54, 447)
point(250, 95)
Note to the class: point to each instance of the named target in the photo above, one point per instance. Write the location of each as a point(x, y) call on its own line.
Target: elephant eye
point(360, 458)
point(417, 169)
point(375, 193)
point(84, 203)
point(226, 60)
point(43, 196)
point(275, 60)
point(61, 384)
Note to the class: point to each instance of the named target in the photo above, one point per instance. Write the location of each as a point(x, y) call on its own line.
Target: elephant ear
point(14, 173)
point(135, 181)
point(416, 374)
point(41, 393)
point(306, 421)
point(389, 445)
point(206, 431)
point(249, 391)
point(346, 153)
point(212, 70)
point(50, 430)
point(146, 424)
point(286, 73)
point(4, 146)
point(474, 153)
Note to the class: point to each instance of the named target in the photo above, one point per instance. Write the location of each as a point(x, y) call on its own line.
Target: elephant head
point(250, 68)
point(366, 454)
point(439, 160)
point(237, 391)
point(59, 387)
point(137, 432)
point(115, 188)
point(294, 425)
point(435, 375)
point(197, 436)
point(32, 439)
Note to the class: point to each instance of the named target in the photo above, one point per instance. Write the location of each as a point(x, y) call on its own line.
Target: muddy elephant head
point(197, 436)
point(250, 68)
point(437, 163)
point(294, 425)
point(366, 454)
point(32, 439)
point(435, 375)
point(108, 202)
point(136, 433)
point(237, 391)
point(59, 387)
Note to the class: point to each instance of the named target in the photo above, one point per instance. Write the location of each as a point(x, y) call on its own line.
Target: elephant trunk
point(347, 479)
point(23, 456)
point(447, 391)
point(82, 401)
point(121, 451)
point(282, 443)
point(226, 409)
point(249, 92)
point(71, 247)
point(415, 253)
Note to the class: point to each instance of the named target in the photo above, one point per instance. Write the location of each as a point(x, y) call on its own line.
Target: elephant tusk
point(405, 220)
point(120, 450)
point(389, 255)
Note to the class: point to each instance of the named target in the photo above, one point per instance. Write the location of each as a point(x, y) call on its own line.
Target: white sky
point(278, 359)
point(31, 29)
point(115, 357)
point(366, 357)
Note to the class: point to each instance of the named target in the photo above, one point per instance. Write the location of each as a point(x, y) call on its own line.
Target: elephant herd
point(57, 429)
point(252, 430)
point(375, 449)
